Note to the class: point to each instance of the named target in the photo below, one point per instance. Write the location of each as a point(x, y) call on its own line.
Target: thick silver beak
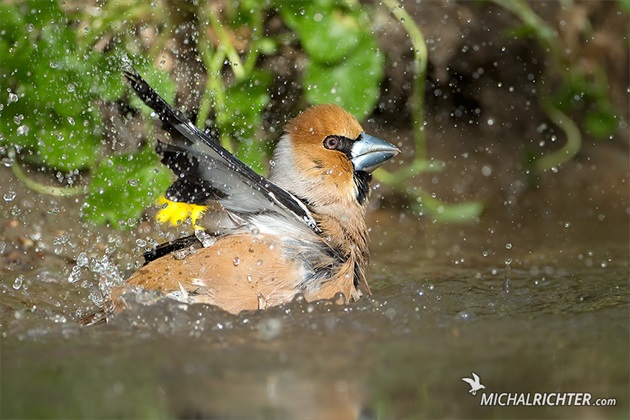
point(368, 153)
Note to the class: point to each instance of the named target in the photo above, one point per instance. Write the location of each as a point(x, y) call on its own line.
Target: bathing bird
point(300, 231)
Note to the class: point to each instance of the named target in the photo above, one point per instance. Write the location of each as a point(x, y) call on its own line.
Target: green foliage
point(448, 213)
point(344, 65)
point(439, 210)
point(601, 121)
point(247, 100)
point(329, 84)
point(578, 92)
point(328, 35)
point(122, 184)
point(52, 114)
point(57, 83)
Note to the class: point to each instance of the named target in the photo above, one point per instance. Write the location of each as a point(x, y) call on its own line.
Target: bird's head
point(326, 158)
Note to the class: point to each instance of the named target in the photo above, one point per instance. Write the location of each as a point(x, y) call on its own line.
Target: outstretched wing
point(207, 171)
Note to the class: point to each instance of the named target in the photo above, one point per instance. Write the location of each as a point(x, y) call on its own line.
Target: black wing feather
point(171, 246)
point(214, 172)
point(189, 187)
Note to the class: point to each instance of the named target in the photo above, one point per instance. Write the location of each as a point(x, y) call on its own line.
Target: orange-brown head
point(326, 158)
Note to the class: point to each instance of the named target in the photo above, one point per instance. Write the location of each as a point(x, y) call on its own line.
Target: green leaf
point(54, 121)
point(41, 12)
point(245, 103)
point(66, 147)
point(328, 34)
point(12, 25)
point(107, 81)
point(123, 186)
point(601, 122)
point(248, 13)
point(352, 84)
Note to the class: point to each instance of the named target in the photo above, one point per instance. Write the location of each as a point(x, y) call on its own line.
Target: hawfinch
point(302, 231)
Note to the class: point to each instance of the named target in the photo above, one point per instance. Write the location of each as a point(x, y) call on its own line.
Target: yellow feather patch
point(176, 213)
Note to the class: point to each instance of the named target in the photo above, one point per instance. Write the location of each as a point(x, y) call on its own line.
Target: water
point(533, 298)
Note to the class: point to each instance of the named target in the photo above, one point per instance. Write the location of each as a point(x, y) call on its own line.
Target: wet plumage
point(300, 231)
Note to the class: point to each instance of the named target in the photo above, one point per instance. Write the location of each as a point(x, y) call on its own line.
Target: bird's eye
point(331, 143)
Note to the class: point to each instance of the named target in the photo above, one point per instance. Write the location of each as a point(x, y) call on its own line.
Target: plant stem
point(543, 31)
point(548, 36)
point(214, 91)
point(419, 163)
point(40, 188)
point(572, 145)
point(439, 210)
point(420, 76)
point(227, 46)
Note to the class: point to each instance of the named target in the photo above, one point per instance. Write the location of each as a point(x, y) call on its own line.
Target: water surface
point(533, 299)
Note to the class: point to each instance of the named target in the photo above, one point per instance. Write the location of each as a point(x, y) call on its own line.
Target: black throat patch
point(362, 181)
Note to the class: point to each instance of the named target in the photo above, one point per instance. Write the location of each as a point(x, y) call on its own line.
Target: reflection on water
point(531, 302)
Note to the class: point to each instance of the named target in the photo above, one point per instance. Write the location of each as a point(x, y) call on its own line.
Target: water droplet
point(236, 261)
point(249, 278)
point(508, 246)
point(75, 274)
point(390, 313)
point(12, 98)
point(82, 260)
point(339, 298)
point(270, 328)
point(18, 282)
point(205, 239)
point(464, 316)
point(10, 196)
point(22, 130)
point(97, 298)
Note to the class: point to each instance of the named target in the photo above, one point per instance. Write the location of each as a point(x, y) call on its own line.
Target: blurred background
point(487, 99)
point(499, 236)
